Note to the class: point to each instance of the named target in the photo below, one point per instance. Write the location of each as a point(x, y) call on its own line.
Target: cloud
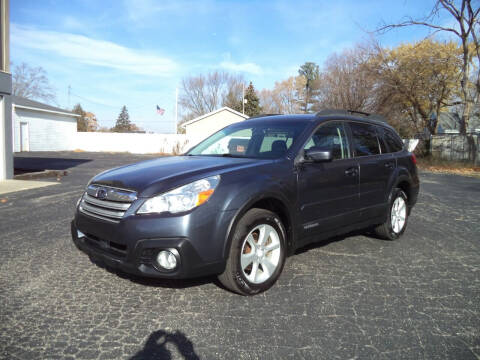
point(146, 12)
point(72, 23)
point(250, 68)
point(86, 50)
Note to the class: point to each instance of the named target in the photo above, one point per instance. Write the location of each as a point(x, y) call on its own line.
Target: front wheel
point(397, 217)
point(257, 253)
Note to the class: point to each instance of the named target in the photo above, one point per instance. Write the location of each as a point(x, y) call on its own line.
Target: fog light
point(167, 259)
point(80, 234)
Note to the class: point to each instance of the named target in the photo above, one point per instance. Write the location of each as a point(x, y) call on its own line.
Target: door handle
point(351, 171)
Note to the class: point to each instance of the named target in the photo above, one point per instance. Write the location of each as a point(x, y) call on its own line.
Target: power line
point(146, 121)
point(106, 105)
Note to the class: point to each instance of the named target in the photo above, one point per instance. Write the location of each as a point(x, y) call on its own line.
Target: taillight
point(414, 159)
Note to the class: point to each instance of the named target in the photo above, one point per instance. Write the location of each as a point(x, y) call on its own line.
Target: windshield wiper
point(219, 155)
point(232, 155)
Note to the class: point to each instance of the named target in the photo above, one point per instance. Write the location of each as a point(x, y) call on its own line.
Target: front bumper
point(133, 244)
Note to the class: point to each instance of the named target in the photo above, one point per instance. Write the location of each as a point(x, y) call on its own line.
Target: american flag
point(160, 110)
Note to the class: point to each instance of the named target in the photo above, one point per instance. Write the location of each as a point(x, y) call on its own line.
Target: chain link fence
point(456, 147)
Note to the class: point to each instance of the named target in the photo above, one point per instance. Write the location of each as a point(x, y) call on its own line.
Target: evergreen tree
point(123, 123)
point(311, 72)
point(252, 104)
point(233, 101)
point(81, 121)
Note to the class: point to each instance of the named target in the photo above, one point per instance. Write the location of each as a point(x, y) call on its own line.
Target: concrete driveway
point(356, 297)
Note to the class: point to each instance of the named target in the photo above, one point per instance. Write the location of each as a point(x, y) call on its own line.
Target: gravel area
point(354, 297)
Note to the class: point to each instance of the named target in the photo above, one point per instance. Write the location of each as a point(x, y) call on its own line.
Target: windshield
point(262, 140)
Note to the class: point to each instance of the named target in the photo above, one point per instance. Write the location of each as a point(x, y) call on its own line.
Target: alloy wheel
point(260, 255)
point(398, 214)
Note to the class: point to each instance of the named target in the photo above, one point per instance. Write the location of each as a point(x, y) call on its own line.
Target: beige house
point(205, 125)
point(92, 124)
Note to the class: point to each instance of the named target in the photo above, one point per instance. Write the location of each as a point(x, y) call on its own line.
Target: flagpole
point(176, 110)
point(243, 98)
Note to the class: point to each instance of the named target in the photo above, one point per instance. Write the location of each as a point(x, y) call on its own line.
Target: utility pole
point(176, 110)
point(243, 98)
point(69, 90)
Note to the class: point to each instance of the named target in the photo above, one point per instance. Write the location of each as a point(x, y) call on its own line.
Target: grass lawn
point(437, 165)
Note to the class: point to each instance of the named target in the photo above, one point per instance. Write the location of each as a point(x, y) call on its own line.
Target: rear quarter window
point(393, 141)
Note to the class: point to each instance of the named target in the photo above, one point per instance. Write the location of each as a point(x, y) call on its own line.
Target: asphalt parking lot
point(356, 297)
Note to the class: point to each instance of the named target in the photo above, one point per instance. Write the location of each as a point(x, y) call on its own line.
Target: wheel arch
point(272, 202)
point(403, 182)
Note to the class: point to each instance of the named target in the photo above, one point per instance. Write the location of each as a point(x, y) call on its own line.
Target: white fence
point(411, 144)
point(456, 147)
point(132, 143)
point(143, 143)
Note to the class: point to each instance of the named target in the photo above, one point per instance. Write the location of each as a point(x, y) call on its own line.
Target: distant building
point(449, 123)
point(41, 127)
point(92, 124)
point(6, 157)
point(205, 125)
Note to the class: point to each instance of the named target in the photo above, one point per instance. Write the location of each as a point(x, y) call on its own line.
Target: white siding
point(47, 131)
point(205, 127)
point(132, 143)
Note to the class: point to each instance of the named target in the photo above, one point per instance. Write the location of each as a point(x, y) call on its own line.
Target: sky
point(136, 52)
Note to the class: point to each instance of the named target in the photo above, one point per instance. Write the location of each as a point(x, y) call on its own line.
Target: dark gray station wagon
point(251, 194)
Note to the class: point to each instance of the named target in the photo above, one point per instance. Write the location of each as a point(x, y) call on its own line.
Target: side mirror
point(317, 155)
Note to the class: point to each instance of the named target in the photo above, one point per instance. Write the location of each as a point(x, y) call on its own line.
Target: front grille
point(111, 247)
point(106, 203)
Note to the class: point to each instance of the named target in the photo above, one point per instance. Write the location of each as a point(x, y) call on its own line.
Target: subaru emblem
point(102, 194)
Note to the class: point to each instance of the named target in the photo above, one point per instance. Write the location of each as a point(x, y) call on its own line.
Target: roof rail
point(325, 112)
point(262, 115)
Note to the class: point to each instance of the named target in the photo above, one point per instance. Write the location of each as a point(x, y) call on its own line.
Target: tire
point(255, 261)
point(397, 217)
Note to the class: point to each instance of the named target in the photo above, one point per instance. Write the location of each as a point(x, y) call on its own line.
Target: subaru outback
point(241, 201)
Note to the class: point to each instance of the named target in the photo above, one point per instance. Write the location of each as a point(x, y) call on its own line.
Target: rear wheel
point(397, 217)
point(257, 253)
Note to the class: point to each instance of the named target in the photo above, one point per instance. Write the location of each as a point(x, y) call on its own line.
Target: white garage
point(41, 127)
point(205, 125)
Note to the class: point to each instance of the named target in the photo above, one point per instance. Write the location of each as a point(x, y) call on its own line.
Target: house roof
point(25, 103)
point(225, 108)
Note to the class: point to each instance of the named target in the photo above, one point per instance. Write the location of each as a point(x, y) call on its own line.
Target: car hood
point(152, 177)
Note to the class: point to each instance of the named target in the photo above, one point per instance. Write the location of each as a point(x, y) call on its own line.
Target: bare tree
point(466, 28)
point(31, 83)
point(268, 103)
point(346, 82)
point(284, 98)
point(236, 86)
point(205, 93)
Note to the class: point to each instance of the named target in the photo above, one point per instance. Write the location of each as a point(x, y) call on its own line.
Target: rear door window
point(365, 141)
point(381, 140)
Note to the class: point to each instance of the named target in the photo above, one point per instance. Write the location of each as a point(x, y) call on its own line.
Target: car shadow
point(324, 242)
point(156, 346)
point(156, 282)
point(24, 163)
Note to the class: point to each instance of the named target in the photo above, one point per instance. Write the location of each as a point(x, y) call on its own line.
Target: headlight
point(183, 198)
point(78, 201)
